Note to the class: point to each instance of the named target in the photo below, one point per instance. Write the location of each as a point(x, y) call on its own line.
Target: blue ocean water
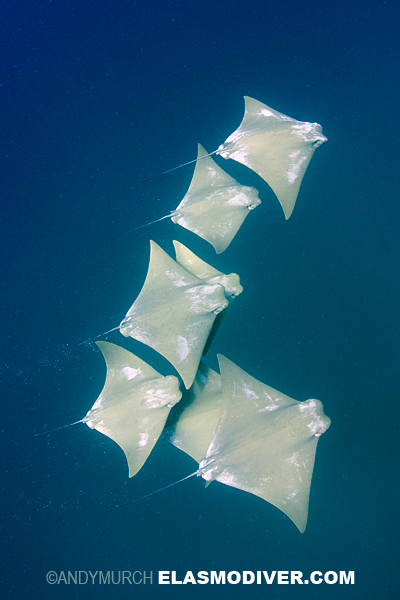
point(97, 96)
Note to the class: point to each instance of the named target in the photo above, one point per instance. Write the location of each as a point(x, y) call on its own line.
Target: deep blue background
point(95, 97)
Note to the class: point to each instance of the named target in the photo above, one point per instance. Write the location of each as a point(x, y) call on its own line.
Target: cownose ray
point(133, 405)
point(275, 146)
point(174, 313)
point(231, 283)
point(191, 423)
point(215, 205)
point(264, 443)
